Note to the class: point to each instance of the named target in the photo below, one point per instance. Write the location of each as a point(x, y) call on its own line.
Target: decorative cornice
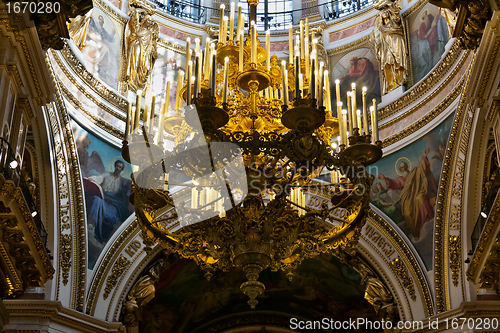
point(443, 199)
point(349, 47)
point(427, 118)
point(95, 84)
point(425, 85)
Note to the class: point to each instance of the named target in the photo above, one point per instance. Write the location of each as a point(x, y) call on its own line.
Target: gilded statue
point(388, 40)
point(141, 293)
point(77, 29)
point(141, 38)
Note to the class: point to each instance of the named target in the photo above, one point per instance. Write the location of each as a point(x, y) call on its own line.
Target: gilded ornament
point(401, 271)
point(119, 266)
point(455, 250)
point(389, 43)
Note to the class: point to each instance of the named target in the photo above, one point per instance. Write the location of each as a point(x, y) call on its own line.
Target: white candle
point(221, 20)
point(290, 44)
point(231, 23)
point(188, 50)
point(337, 92)
point(226, 72)
point(365, 113)
point(197, 47)
point(224, 30)
point(240, 22)
point(341, 123)
point(344, 127)
point(358, 118)
point(206, 59)
point(188, 82)
point(240, 58)
point(306, 47)
point(375, 121)
point(138, 108)
point(253, 40)
point(328, 103)
point(353, 105)
point(301, 82)
point(285, 82)
point(163, 113)
point(268, 50)
point(302, 50)
point(349, 112)
point(128, 121)
point(180, 80)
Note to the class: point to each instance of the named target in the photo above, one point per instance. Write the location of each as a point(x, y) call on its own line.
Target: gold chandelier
point(251, 139)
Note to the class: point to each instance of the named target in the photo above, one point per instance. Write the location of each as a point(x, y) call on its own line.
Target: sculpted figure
point(77, 29)
point(141, 36)
point(141, 293)
point(388, 40)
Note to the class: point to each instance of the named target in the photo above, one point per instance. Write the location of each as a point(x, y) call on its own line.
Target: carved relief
point(116, 272)
point(401, 271)
point(65, 246)
point(455, 258)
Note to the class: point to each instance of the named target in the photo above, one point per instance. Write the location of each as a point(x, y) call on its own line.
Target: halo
point(112, 166)
point(396, 164)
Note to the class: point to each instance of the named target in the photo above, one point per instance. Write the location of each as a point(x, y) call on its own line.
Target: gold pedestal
point(253, 73)
point(360, 149)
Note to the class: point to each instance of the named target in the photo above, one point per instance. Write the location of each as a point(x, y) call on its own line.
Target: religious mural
point(321, 287)
point(106, 186)
point(428, 38)
point(102, 48)
point(406, 186)
point(361, 67)
point(166, 68)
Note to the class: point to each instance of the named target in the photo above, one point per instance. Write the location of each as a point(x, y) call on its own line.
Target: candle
point(302, 38)
point(375, 121)
point(297, 71)
point(222, 7)
point(239, 25)
point(224, 30)
point(285, 83)
point(138, 108)
point(127, 122)
point(328, 103)
point(290, 44)
point(268, 50)
point(147, 101)
point(306, 47)
point(226, 72)
point(180, 80)
point(337, 91)
point(365, 114)
point(358, 117)
point(354, 108)
point(152, 115)
point(321, 88)
point(207, 58)
point(188, 81)
point(231, 23)
point(253, 40)
point(312, 82)
point(344, 127)
point(240, 58)
point(196, 80)
point(349, 111)
point(341, 123)
point(301, 82)
point(197, 47)
point(188, 50)
point(307, 27)
point(212, 86)
point(319, 75)
point(163, 113)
